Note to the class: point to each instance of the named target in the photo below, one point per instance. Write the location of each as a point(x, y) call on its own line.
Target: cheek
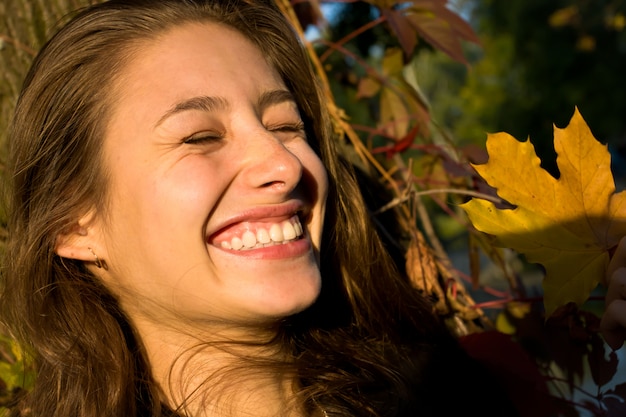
point(315, 180)
point(318, 175)
point(315, 168)
point(186, 190)
point(169, 198)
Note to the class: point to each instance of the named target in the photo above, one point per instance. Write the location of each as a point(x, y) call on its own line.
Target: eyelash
point(291, 127)
point(200, 139)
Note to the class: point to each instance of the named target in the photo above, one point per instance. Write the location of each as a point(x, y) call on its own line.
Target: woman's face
point(216, 200)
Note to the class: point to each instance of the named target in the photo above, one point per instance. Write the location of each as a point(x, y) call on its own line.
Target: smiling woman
point(186, 241)
point(219, 168)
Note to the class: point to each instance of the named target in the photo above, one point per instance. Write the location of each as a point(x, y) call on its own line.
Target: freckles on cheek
point(188, 192)
point(315, 178)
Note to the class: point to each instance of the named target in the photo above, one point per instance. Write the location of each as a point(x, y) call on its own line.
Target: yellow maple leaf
point(569, 224)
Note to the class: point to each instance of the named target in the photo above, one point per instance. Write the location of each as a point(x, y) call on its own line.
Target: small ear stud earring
point(98, 262)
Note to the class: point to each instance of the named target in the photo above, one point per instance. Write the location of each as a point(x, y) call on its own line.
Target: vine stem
point(18, 44)
point(333, 46)
point(400, 200)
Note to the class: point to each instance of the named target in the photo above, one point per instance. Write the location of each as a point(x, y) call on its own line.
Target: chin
point(289, 301)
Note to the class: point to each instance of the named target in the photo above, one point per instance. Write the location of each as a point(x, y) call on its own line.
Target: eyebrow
point(211, 104)
point(274, 97)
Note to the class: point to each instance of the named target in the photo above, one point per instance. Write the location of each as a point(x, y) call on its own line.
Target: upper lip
point(276, 212)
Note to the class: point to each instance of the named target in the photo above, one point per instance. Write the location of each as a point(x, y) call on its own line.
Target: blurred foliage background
point(414, 87)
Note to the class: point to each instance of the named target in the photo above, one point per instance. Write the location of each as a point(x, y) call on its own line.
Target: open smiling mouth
point(266, 235)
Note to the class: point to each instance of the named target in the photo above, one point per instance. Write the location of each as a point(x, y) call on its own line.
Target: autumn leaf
point(401, 105)
point(399, 101)
point(569, 224)
point(421, 267)
point(431, 20)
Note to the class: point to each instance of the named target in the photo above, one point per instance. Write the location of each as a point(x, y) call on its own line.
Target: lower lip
point(293, 249)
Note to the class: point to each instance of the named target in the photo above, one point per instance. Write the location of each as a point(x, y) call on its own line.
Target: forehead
point(196, 54)
point(194, 59)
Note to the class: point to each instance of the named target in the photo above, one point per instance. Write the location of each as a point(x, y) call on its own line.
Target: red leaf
point(403, 29)
point(430, 19)
point(514, 369)
point(602, 369)
point(408, 139)
point(439, 34)
point(614, 401)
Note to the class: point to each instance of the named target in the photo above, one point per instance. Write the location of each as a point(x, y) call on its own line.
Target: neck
point(219, 375)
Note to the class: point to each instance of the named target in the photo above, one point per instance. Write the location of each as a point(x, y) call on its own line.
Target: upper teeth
point(278, 233)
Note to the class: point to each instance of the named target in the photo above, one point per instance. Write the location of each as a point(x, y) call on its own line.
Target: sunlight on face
point(216, 199)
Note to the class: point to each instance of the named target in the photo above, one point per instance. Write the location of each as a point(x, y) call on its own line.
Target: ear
point(80, 241)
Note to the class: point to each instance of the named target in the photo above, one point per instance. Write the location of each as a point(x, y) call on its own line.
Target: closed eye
point(202, 138)
point(289, 127)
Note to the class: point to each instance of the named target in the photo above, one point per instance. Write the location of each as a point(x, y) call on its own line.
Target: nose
point(270, 164)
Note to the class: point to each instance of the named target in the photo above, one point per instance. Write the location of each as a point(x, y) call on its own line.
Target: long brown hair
point(365, 348)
